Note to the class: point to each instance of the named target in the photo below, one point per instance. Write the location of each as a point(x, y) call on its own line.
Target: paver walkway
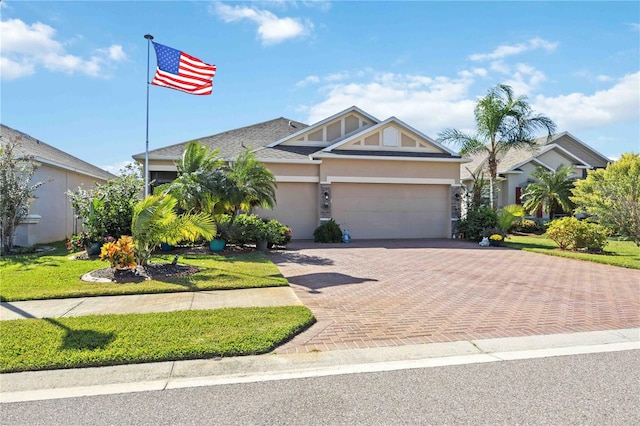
point(391, 293)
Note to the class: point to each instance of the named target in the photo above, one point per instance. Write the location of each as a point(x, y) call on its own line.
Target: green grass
point(53, 275)
point(97, 340)
point(617, 253)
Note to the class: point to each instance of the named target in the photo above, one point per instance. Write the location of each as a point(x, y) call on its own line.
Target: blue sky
point(74, 73)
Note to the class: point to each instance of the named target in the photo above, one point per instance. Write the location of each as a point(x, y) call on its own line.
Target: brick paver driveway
point(390, 293)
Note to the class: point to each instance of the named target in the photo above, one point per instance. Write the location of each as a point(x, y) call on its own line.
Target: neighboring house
point(515, 168)
point(51, 216)
point(379, 179)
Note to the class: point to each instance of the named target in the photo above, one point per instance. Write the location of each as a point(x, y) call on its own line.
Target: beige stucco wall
point(297, 207)
point(293, 169)
point(389, 168)
point(57, 217)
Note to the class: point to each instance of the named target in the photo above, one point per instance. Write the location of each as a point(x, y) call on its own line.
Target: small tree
point(107, 209)
point(613, 195)
point(550, 190)
point(16, 192)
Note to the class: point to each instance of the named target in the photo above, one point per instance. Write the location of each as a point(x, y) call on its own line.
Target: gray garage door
point(392, 210)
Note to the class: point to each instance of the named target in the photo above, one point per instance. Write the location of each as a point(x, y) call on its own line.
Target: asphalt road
point(593, 389)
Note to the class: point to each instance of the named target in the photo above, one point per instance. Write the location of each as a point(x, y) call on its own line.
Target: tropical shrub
point(279, 234)
point(120, 254)
point(507, 215)
point(571, 233)
point(77, 242)
point(155, 221)
point(526, 226)
point(107, 209)
point(613, 195)
point(477, 221)
point(328, 232)
point(249, 229)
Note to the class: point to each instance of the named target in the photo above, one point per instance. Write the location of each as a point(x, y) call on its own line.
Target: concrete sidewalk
point(144, 303)
point(55, 384)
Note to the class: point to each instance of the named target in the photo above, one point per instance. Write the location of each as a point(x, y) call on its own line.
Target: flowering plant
point(77, 242)
point(496, 237)
point(120, 253)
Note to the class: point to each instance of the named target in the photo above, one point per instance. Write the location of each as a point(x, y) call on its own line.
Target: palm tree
point(155, 220)
point(198, 186)
point(550, 189)
point(255, 185)
point(503, 122)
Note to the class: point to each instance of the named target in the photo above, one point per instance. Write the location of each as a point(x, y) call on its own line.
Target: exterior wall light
point(326, 198)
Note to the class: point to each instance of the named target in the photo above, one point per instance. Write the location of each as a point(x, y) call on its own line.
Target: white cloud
point(525, 79)
point(114, 52)
point(330, 78)
point(271, 28)
point(25, 46)
point(312, 79)
point(116, 168)
point(429, 104)
point(578, 111)
point(635, 26)
point(603, 77)
point(509, 50)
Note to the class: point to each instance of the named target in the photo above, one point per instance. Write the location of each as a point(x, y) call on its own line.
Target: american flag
point(180, 71)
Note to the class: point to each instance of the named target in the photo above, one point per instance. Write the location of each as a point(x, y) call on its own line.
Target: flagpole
point(149, 37)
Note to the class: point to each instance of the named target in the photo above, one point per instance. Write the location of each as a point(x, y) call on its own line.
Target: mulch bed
point(155, 271)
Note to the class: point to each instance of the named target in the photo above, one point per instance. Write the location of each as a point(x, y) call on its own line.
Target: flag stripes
point(180, 71)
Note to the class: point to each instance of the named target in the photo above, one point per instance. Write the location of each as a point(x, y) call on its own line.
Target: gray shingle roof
point(27, 145)
point(233, 142)
point(286, 152)
point(507, 161)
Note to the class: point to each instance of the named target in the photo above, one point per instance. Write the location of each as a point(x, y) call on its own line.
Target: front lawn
point(53, 275)
point(617, 253)
point(97, 340)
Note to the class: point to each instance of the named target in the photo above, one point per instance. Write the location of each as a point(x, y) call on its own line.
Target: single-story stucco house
point(51, 216)
point(516, 166)
point(378, 179)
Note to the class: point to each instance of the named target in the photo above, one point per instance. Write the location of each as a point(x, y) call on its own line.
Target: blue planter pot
point(94, 249)
point(217, 245)
point(166, 247)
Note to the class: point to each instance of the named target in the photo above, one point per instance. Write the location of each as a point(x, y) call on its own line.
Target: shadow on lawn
point(83, 339)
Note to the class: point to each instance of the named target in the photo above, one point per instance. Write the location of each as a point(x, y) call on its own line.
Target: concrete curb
point(55, 384)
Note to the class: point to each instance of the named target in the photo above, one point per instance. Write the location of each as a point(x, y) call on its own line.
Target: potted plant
point(225, 231)
point(495, 240)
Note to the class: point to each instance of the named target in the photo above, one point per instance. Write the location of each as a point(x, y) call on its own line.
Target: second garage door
point(388, 211)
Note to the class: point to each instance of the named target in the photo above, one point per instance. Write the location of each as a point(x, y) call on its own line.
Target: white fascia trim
point(289, 161)
point(375, 157)
point(378, 179)
point(323, 122)
point(584, 144)
point(542, 164)
point(574, 156)
point(300, 179)
point(158, 157)
point(162, 168)
point(72, 169)
point(382, 124)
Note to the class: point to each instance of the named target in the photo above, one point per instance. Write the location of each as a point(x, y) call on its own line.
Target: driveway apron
point(389, 293)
